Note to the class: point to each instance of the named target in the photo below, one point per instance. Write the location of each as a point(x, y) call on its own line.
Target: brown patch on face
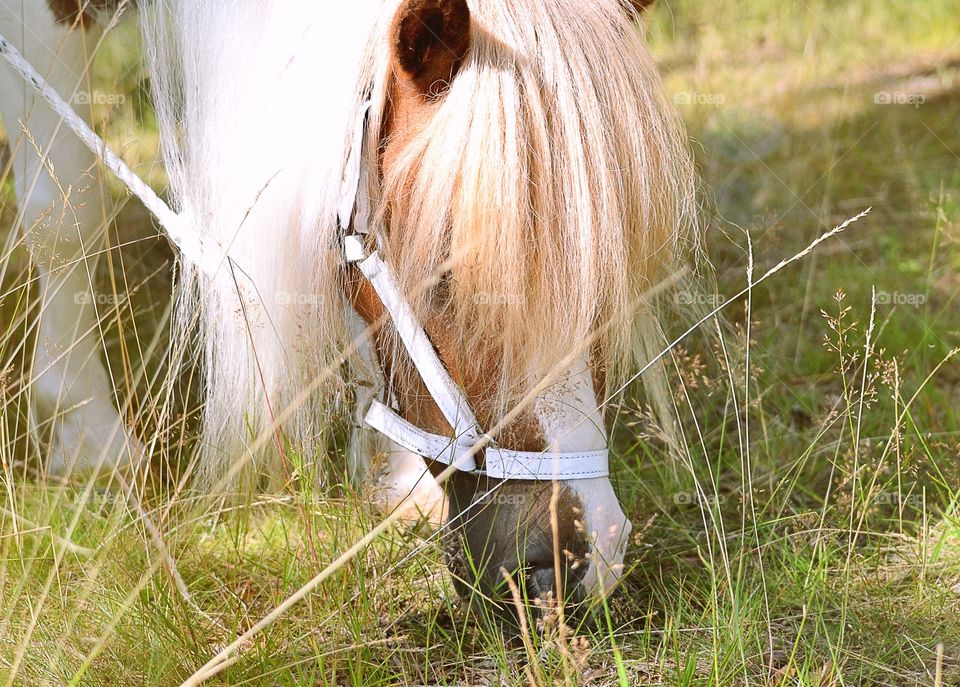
point(414, 400)
point(492, 523)
point(567, 502)
point(513, 530)
point(509, 526)
point(409, 107)
point(83, 12)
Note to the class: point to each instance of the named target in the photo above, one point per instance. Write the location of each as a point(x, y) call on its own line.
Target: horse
point(512, 184)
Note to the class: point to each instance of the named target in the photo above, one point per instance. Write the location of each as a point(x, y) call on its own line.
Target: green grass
point(809, 537)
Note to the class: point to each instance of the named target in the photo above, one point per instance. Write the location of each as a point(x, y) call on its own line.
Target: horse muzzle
point(510, 539)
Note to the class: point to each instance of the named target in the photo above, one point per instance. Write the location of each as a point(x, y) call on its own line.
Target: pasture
point(809, 535)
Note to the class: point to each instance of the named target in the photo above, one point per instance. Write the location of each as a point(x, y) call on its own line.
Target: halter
point(467, 438)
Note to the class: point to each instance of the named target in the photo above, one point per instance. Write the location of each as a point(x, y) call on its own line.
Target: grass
point(809, 537)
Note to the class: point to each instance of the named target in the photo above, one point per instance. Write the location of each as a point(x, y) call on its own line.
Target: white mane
point(255, 102)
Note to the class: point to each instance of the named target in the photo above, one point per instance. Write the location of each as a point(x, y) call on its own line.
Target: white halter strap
point(445, 392)
point(467, 440)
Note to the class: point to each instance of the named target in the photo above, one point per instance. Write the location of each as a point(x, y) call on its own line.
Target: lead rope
point(207, 255)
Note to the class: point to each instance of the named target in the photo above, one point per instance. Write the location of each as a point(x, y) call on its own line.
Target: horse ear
point(430, 39)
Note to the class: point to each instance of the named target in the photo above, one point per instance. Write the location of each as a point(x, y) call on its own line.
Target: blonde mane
point(548, 191)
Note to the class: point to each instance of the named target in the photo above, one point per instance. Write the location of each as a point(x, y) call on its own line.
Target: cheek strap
point(445, 392)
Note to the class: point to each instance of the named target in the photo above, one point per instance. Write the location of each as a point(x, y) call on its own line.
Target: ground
point(807, 535)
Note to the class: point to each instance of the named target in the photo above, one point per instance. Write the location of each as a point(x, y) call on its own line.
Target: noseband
point(467, 438)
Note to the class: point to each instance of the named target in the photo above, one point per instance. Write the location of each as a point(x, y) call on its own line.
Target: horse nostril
point(541, 581)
